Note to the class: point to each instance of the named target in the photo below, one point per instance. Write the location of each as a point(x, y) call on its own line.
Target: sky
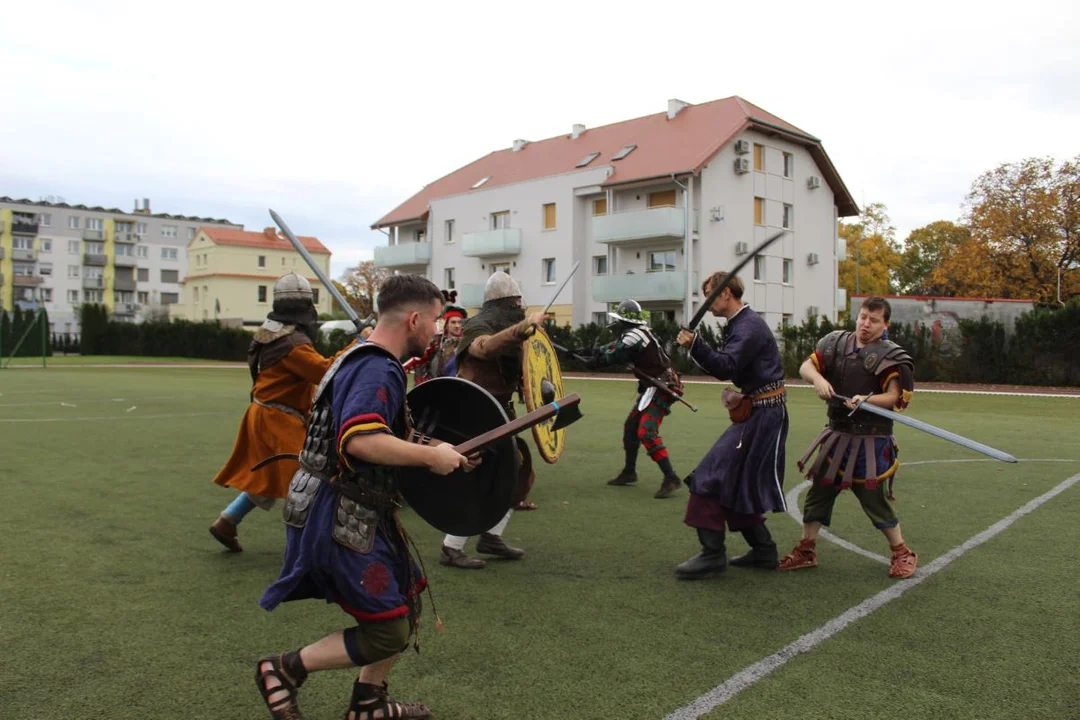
point(335, 113)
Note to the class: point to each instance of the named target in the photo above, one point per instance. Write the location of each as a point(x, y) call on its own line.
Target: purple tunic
point(367, 394)
point(743, 473)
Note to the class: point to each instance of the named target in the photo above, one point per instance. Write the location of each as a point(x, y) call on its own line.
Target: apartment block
point(648, 207)
point(59, 256)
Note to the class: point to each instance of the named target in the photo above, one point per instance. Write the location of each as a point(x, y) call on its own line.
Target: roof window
point(624, 152)
point(588, 159)
point(481, 182)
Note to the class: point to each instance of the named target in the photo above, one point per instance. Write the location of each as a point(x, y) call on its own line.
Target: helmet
point(499, 286)
point(629, 311)
point(292, 287)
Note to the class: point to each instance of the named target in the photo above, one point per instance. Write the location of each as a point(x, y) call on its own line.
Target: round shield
point(542, 383)
point(462, 503)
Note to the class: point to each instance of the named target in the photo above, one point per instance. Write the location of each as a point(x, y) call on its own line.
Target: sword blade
point(556, 295)
point(314, 267)
point(935, 431)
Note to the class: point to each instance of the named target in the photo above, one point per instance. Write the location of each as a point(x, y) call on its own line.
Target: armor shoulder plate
point(636, 338)
point(884, 354)
point(832, 345)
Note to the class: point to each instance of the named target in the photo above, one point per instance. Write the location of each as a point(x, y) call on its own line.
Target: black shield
point(461, 503)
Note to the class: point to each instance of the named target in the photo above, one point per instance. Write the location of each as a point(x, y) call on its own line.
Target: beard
point(415, 347)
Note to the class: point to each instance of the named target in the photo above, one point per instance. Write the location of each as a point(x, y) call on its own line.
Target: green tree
point(872, 253)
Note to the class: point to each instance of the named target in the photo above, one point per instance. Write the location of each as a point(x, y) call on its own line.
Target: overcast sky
point(334, 113)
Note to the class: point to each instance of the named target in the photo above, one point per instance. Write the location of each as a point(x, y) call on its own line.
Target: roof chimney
point(520, 145)
point(270, 233)
point(578, 130)
point(674, 107)
point(146, 205)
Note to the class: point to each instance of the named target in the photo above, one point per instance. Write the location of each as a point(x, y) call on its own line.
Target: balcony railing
point(26, 280)
point(643, 287)
point(126, 237)
point(651, 224)
point(88, 234)
point(403, 255)
point(125, 308)
point(93, 283)
point(23, 254)
point(492, 243)
point(94, 259)
point(24, 226)
point(125, 261)
point(471, 295)
point(124, 284)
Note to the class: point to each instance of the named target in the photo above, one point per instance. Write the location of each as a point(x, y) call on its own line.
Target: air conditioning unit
point(812, 259)
point(742, 147)
point(741, 248)
point(813, 182)
point(742, 165)
point(812, 311)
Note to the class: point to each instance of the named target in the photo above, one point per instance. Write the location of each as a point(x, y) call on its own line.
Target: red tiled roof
point(268, 239)
point(681, 145)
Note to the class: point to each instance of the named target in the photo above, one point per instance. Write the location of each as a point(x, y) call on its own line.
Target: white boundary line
point(750, 675)
point(87, 402)
point(118, 417)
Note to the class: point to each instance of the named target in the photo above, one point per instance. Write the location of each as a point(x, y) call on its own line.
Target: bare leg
point(894, 536)
point(810, 530)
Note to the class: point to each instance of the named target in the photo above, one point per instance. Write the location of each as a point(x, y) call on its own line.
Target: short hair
point(735, 286)
point(876, 304)
point(400, 292)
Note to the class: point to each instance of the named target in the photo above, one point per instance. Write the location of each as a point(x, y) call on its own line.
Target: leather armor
point(852, 373)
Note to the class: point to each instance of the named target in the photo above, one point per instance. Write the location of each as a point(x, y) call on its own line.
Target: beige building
point(231, 274)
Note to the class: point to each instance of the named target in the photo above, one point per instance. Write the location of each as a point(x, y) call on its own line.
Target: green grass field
point(67, 360)
point(118, 604)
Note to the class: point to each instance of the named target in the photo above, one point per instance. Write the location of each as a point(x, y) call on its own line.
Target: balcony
point(124, 261)
point(93, 259)
point(628, 227)
point(492, 243)
point(26, 280)
point(24, 225)
point(24, 255)
point(403, 255)
point(643, 287)
point(126, 237)
point(124, 284)
point(471, 295)
point(92, 235)
point(125, 308)
point(93, 283)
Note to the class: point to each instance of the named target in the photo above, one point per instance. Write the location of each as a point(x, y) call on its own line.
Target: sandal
point(525, 505)
point(285, 706)
point(373, 702)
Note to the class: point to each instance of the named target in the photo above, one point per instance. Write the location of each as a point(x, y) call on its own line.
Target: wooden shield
point(540, 365)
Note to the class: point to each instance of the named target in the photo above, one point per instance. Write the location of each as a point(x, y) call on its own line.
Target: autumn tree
point(929, 248)
point(360, 285)
point(872, 253)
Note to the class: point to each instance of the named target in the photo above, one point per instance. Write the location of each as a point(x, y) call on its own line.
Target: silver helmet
point(292, 287)
point(499, 286)
point(629, 311)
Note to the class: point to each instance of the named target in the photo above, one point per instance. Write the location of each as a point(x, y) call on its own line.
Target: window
point(45, 219)
point(789, 272)
point(196, 294)
point(759, 211)
point(46, 246)
point(45, 269)
point(789, 215)
point(789, 165)
point(481, 181)
point(170, 298)
point(786, 320)
point(170, 276)
point(500, 220)
point(140, 228)
point(73, 296)
point(448, 278)
point(94, 272)
point(661, 261)
point(95, 224)
point(496, 267)
point(600, 318)
point(548, 271)
point(24, 270)
point(125, 249)
point(262, 261)
point(262, 293)
point(20, 242)
point(599, 265)
point(168, 231)
point(143, 274)
point(144, 297)
point(282, 260)
point(449, 231)
point(73, 222)
point(191, 233)
point(315, 295)
point(73, 271)
point(759, 268)
point(588, 159)
point(95, 248)
point(168, 253)
point(124, 227)
point(73, 247)
point(93, 296)
point(599, 207)
point(140, 251)
point(549, 216)
point(421, 236)
point(664, 198)
point(624, 152)
point(759, 157)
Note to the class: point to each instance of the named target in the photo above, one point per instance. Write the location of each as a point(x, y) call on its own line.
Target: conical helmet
point(292, 287)
point(499, 286)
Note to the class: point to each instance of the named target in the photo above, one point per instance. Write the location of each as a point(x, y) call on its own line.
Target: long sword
point(556, 295)
point(696, 320)
point(932, 430)
point(315, 268)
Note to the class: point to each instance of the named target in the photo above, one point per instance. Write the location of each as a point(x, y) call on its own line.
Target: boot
point(494, 545)
point(803, 556)
point(712, 560)
point(225, 533)
point(762, 549)
point(667, 488)
point(625, 477)
point(452, 557)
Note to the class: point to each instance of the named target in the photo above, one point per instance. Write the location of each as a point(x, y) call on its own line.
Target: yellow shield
point(540, 364)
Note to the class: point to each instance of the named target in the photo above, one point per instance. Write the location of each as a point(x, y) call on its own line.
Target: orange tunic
point(268, 431)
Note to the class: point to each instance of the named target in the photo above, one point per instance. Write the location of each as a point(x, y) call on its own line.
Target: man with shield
point(489, 354)
point(635, 343)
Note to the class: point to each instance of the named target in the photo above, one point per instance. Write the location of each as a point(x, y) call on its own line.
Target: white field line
point(126, 416)
point(750, 675)
point(86, 402)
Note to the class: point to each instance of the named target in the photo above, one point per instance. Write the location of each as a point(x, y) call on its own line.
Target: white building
point(614, 199)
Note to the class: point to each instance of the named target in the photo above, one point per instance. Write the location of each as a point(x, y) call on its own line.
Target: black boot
point(762, 549)
point(671, 481)
point(712, 560)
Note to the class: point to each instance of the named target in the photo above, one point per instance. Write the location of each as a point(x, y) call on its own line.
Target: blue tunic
point(744, 470)
point(367, 394)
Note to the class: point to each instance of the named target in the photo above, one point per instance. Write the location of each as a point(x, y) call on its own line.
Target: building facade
point(58, 256)
point(232, 274)
point(648, 207)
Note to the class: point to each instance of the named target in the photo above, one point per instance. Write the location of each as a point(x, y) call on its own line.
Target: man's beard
point(415, 348)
